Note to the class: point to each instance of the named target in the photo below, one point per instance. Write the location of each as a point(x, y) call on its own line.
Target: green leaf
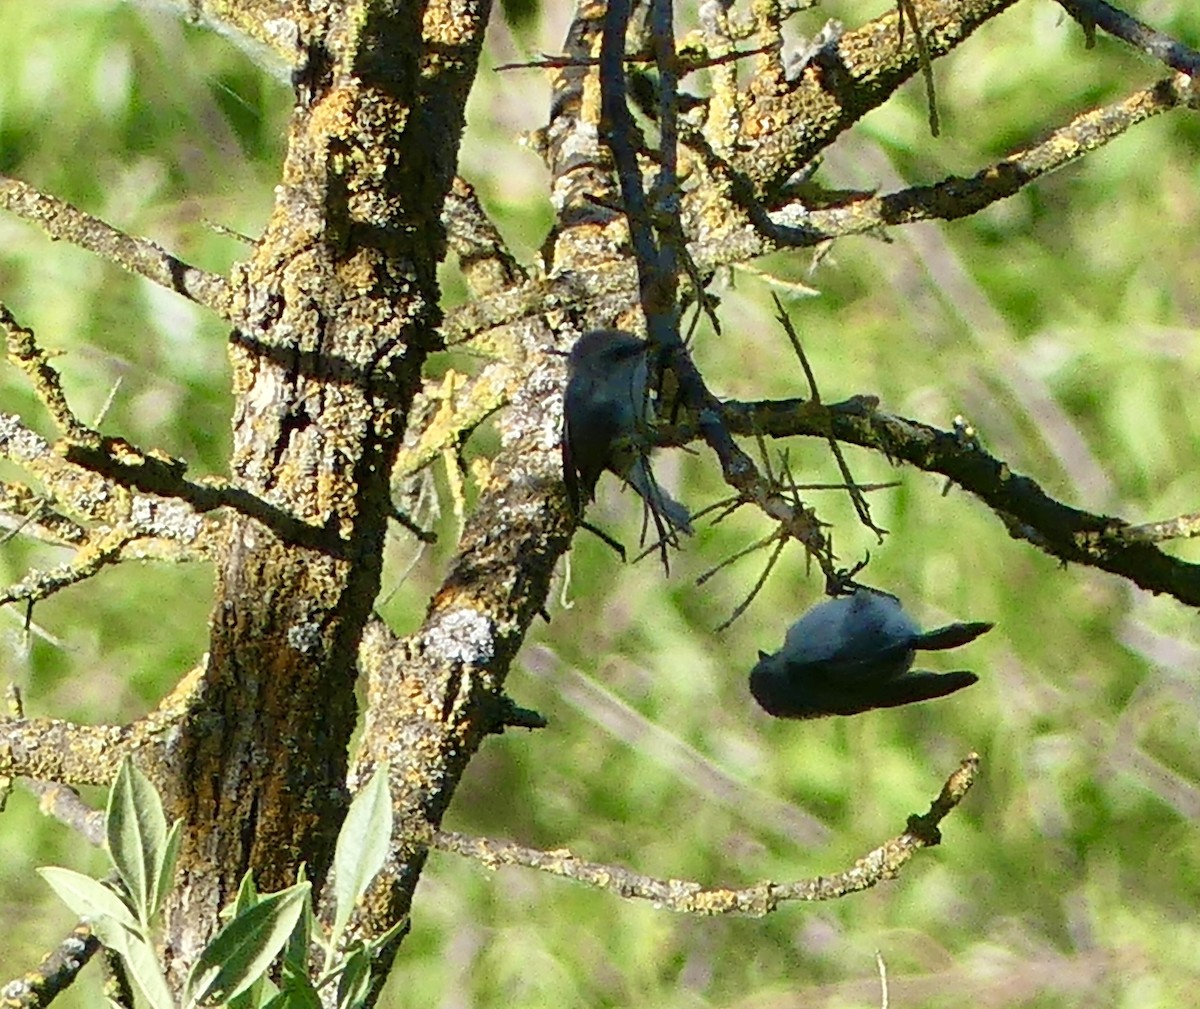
point(243, 950)
point(256, 996)
point(137, 836)
point(89, 898)
point(145, 969)
point(362, 847)
point(296, 951)
point(247, 895)
point(354, 985)
point(299, 997)
point(164, 873)
point(115, 926)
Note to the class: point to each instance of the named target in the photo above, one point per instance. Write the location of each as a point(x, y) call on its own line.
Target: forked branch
point(1101, 541)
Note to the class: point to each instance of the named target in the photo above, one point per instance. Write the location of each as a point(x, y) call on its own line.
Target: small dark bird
point(853, 653)
point(608, 423)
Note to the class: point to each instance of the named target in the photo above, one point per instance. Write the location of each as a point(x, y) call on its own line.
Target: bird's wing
point(911, 689)
point(857, 666)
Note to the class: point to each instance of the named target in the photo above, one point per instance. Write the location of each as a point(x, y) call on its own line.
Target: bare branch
point(786, 126)
point(25, 353)
point(447, 411)
point(1096, 13)
point(98, 552)
point(802, 225)
point(138, 526)
point(953, 198)
point(64, 804)
point(59, 801)
point(686, 64)
point(484, 259)
point(687, 897)
point(25, 512)
point(40, 986)
point(63, 222)
point(54, 750)
point(657, 266)
point(1029, 513)
point(1180, 527)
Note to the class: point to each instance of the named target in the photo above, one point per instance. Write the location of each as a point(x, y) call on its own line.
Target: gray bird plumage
point(854, 653)
point(608, 424)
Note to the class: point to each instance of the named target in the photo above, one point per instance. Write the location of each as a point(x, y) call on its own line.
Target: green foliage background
point(1062, 323)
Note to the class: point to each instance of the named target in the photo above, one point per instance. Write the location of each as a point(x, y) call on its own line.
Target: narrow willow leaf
point(89, 898)
point(362, 847)
point(297, 949)
point(255, 995)
point(145, 969)
point(267, 990)
point(247, 895)
point(115, 926)
point(243, 950)
point(300, 997)
point(136, 834)
point(164, 873)
point(354, 985)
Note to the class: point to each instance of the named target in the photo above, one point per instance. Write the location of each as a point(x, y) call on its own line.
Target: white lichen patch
point(462, 635)
point(171, 519)
point(304, 638)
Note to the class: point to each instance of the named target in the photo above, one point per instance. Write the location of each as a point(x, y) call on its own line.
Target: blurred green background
point(1061, 323)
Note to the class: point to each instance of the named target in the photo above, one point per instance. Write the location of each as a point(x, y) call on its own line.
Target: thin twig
point(1178, 528)
point(956, 197)
point(684, 896)
point(63, 222)
point(40, 986)
point(96, 554)
point(856, 496)
point(754, 591)
point(685, 65)
point(1073, 535)
point(908, 9)
point(24, 352)
point(737, 556)
point(1141, 36)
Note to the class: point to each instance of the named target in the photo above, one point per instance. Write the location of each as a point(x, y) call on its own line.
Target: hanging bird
point(608, 423)
point(853, 653)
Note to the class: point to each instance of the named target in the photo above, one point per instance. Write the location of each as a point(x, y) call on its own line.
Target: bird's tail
point(951, 636)
point(663, 507)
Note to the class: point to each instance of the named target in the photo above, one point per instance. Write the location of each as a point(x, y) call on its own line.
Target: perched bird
point(608, 424)
point(853, 653)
